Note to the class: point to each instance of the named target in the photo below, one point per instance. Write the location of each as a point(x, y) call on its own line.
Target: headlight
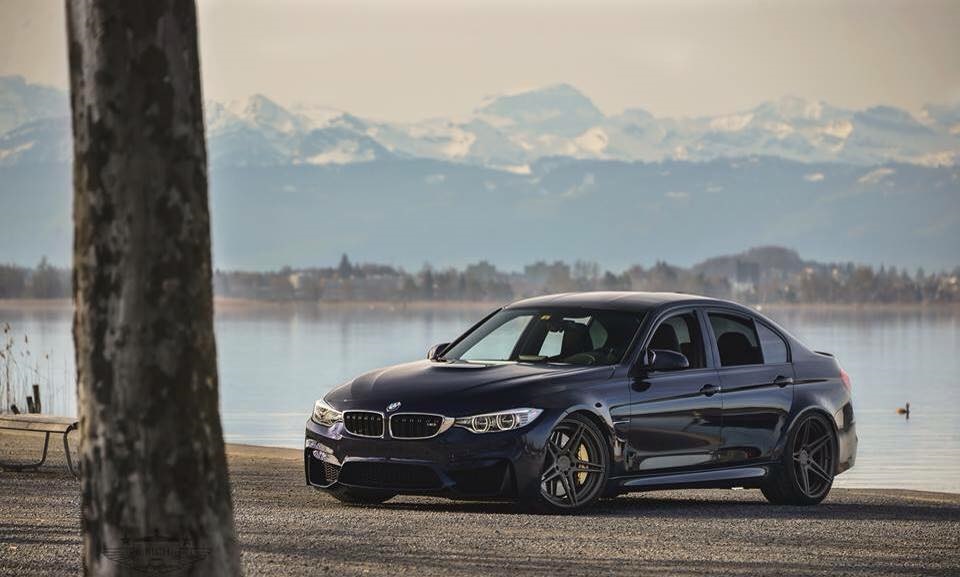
point(501, 421)
point(324, 414)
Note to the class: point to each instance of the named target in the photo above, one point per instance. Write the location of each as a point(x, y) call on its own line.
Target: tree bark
point(155, 488)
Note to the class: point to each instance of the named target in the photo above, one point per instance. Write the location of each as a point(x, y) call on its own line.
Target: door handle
point(709, 390)
point(782, 381)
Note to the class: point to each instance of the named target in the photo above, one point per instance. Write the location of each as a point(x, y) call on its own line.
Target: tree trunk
point(155, 491)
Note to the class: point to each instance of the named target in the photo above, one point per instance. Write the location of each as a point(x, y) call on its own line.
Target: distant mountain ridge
point(509, 132)
point(22, 102)
point(536, 175)
point(405, 212)
point(771, 259)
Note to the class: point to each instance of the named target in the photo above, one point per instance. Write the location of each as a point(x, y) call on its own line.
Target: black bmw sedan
point(558, 401)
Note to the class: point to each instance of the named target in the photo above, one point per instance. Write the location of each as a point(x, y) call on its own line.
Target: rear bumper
point(457, 463)
point(846, 440)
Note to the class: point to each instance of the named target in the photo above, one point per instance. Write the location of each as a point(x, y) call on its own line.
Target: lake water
point(275, 361)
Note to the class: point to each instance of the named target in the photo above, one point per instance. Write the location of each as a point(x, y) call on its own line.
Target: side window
point(737, 340)
point(774, 349)
point(681, 334)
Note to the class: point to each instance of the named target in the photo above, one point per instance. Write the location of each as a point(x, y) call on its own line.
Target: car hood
point(444, 387)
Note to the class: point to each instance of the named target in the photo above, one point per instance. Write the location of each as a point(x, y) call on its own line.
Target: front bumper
point(456, 463)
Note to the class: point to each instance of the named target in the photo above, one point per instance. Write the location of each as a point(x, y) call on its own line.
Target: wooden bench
point(39, 424)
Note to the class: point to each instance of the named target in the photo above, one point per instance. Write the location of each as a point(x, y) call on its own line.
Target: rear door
point(756, 378)
point(674, 417)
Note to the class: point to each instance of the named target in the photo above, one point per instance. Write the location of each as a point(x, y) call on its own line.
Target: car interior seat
point(665, 339)
point(576, 339)
point(735, 349)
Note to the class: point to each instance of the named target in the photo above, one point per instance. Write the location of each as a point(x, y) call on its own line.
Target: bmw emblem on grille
point(393, 406)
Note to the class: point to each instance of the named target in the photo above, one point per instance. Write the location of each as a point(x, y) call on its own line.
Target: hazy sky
point(410, 60)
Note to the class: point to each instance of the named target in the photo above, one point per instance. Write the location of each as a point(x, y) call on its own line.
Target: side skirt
point(715, 478)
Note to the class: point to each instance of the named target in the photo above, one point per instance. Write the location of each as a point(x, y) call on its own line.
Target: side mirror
point(665, 360)
point(436, 351)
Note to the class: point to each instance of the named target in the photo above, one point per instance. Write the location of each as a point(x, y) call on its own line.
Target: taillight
point(845, 378)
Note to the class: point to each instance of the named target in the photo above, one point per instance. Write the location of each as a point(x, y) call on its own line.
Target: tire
point(576, 467)
point(354, 496)
point(805, 473)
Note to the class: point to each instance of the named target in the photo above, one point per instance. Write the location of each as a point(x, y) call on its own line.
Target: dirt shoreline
point(286, 528)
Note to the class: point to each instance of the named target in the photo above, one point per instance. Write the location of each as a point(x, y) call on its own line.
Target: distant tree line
point(762, 275)
point(42, 282)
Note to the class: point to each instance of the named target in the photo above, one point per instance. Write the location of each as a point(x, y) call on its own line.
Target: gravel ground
point(286, 528)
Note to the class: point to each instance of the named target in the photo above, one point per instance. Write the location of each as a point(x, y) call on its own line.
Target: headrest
point(735, 349)
point(665, 339)
point(576, 339)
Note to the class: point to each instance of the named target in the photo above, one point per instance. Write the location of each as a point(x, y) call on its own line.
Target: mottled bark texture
point(155, 489)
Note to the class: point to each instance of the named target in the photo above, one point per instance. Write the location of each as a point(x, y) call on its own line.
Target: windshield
point(576, 337)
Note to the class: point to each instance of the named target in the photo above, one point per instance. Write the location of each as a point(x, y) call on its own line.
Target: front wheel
point(576, 466)
point(805, 474)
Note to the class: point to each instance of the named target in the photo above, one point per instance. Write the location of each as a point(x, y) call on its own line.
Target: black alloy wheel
point(576, 466)
point(806, 473)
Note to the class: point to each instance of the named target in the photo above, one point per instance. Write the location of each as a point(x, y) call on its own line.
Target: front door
point(675, 416)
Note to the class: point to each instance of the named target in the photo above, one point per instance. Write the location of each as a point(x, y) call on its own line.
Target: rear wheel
point(576, 466)
point(805, 474)
point(360, 496)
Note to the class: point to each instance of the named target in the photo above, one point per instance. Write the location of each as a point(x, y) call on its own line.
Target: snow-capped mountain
point(511, 132)
point(21, 102)
point(260, 132)
point(42, 141)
